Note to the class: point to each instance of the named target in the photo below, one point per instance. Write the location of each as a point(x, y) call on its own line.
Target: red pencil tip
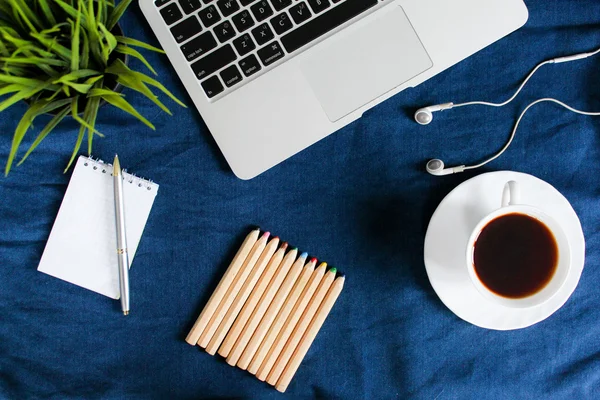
point(313, 260)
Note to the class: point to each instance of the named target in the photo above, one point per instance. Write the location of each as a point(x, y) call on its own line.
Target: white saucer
point(448, 233)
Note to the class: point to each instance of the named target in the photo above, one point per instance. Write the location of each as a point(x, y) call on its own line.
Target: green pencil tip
point(333, 270)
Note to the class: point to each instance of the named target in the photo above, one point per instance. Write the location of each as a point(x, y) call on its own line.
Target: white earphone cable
point(514, 96)
point(514, 131)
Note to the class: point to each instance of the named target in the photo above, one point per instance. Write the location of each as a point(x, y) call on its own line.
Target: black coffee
point(515, 256)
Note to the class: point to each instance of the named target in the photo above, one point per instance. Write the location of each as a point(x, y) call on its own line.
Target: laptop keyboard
point(228, 41)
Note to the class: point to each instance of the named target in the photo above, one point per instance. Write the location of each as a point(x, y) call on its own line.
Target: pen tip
point(116, 164)
point(126, 312)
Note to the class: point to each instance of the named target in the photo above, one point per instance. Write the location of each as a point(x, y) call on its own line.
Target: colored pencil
point(255, 296)
point(242, 296)
point(290, 323)
point(265, 334)
point(222, 287)
point(234, 288)
point(309, 336)
point(301, 327)
point(266, 313)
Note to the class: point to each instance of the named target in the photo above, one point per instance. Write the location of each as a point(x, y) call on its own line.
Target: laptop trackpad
point(358, 67)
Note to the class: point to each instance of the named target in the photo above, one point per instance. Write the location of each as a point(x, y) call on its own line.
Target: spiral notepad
point(82, 245)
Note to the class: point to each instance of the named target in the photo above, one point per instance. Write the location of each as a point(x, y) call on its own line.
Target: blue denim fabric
point(359, 199)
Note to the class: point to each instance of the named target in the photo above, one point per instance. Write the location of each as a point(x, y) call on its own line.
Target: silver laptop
point(272, 77)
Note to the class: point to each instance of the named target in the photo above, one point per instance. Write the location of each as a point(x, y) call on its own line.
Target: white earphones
point(436, 167)
point(424, 116)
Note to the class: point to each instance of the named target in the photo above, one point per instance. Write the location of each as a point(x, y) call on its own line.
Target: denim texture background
point(359, 199)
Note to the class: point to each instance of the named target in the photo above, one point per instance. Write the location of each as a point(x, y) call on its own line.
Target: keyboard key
point(171, 13)
point(246, 2)
point(270, 53)
point(244, 44)
point(199, 46)
point(209, 16)
point(281, 23)
point(160, 3)
point(189, 6)
point(228, 7)
point(186, 29)
point(224, 31)
point(212, 87)
point(300, 12)
point(214, 61)
point(231, 76)
point(319, 5)
point(325, 23)
point(261, 10)
point(250, 65)
point(280, 4)
point(262, 34)
point(206, 1)
point(242, 21)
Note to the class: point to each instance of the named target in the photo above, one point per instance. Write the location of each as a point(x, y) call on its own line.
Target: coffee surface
point(515, 255)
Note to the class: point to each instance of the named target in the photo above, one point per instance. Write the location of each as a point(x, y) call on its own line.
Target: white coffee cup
point(510, 205)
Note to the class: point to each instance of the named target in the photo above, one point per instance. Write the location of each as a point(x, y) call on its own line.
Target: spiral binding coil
point(106, 168)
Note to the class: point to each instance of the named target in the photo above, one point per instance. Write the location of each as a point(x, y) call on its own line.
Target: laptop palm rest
point(358, 67)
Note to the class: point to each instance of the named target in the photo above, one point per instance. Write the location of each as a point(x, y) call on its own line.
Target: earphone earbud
point(436, 167)
point(424, 116)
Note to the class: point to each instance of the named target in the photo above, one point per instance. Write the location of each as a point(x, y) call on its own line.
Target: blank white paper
point(82, 245)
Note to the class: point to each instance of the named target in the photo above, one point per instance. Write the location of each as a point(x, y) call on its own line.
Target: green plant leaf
point(83, 88)
point(53, 46)
point(137, 43)
point(134, 53)
point(23, 94)
point(47, 11)
point(110, 38)
point(117, 13)
point(21, 130)
point(73, 76)
point(12, 88)
point(70, 10)
point(47, 129)
point(126, 78)
point(75, 42)
point(98, 92)
point(122, 104)
point(33, 61)
point(79, 135)
point(91, 112)
point(76, 117)
point(29, 82)
point(152, 82)
point(140, 87)
point(25, 13)
point(85, 51)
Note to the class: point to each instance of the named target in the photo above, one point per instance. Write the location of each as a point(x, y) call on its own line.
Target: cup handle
point(511, 195)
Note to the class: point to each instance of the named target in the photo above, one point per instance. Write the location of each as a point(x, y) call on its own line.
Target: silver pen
point(122, 254)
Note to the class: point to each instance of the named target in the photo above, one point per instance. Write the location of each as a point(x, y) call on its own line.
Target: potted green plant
point(67, 58)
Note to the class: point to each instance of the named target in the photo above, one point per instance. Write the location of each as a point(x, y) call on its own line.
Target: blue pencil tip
point(304, 255)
